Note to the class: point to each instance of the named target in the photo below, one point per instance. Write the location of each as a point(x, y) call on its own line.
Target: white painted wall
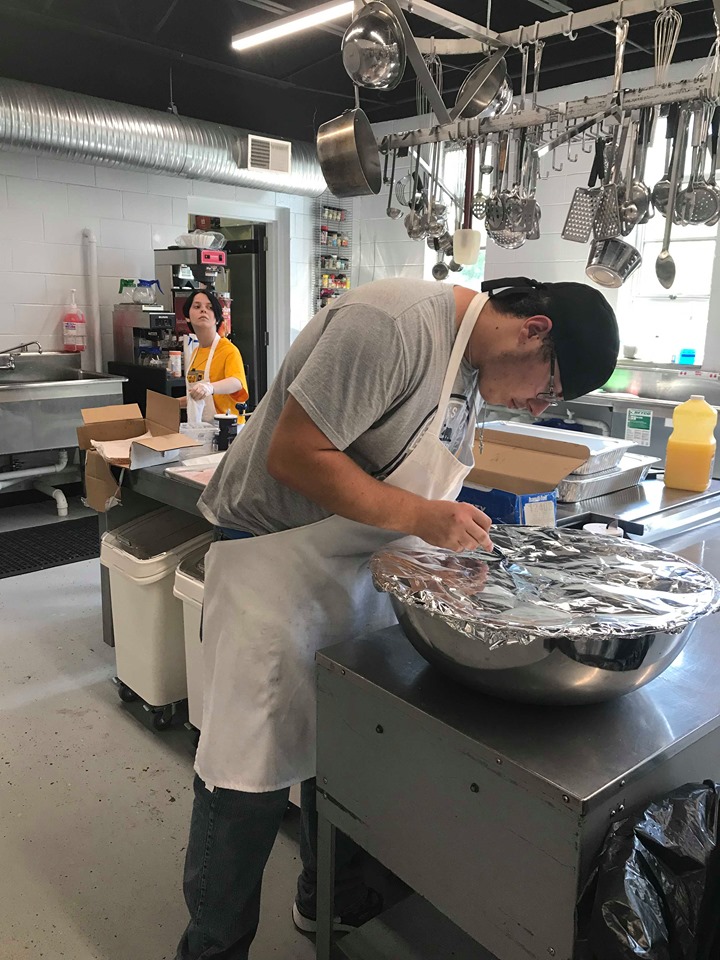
point(46, 203)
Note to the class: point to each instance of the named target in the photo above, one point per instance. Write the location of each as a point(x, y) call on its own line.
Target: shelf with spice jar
point(332, 259)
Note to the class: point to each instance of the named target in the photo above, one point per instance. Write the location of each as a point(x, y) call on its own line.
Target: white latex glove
point(200, 390)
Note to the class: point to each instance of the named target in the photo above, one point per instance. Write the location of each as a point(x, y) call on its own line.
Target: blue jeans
point(231, 836)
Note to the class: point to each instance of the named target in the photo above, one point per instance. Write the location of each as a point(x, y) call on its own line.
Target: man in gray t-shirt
point(368, 373)
point(355, 394)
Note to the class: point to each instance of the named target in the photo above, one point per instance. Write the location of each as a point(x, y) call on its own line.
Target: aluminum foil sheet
point(550, 582)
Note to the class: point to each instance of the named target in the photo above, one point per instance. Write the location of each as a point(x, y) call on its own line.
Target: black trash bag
point(655, 891)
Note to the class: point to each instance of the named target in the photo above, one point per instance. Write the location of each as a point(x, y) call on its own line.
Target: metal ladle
point(665, 265)
point(391, 211)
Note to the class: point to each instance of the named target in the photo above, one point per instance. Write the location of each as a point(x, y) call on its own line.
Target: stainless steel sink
point(41, 397)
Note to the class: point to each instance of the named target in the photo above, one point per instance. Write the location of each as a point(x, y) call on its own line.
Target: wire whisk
point(435, 68)
point(667, 31)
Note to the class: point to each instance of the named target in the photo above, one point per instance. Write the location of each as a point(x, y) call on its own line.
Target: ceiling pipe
point(86, 129)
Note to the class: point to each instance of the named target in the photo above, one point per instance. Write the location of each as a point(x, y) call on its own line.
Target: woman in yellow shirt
point(216, 376)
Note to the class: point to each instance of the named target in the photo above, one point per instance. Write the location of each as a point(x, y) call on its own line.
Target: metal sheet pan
point(631, 470)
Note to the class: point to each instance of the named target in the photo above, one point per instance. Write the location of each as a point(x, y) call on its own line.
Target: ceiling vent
point(267, 154)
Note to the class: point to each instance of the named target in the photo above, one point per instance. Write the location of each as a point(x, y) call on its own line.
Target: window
point(453, 177)
point(661, 323)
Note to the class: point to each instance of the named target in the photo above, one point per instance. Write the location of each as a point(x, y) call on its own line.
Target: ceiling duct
point(77, 127)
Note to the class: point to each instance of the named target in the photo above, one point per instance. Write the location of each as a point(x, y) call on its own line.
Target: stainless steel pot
point(349, 155)
point(373, 48)
point(492, 82)
point(559, 672)
point(611, 262)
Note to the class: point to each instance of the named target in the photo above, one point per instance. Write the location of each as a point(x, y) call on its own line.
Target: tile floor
point(94, 804)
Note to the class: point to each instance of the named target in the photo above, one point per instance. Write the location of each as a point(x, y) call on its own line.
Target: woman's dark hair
point(214, 303)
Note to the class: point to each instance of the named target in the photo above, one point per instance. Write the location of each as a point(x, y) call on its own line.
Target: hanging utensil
point(661, 189)
point(715, 128)
point(639, 189)
point(612, 262)
point(435, 69)
point(583, 206)
point(413, 224)
point(629, 213)
point(607, 223)
point(373, 48)
point(697, 202)
point(481, 86)
point(440, 269)
point(466, 241)
point(494, 210)
point(480, 200)
point(665, 265)
point(514, 205)
point(539, 47)
point(391, 211)
point(348, 155)
point(667, 31)
point(525, 52)
point(435, 224)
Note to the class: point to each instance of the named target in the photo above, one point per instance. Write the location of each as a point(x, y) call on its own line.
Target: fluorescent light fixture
point(298, 21)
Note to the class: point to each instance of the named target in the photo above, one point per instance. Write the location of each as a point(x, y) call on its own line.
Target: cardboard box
point(515, 477)
point(122, 422)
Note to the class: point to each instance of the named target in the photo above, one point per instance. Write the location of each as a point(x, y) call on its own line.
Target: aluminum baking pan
point(631, 470)
point(605, 452)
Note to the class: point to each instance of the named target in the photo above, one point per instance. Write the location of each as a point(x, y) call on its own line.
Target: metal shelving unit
point(332, 250)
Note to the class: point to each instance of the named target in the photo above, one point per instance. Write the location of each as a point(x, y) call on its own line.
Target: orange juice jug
point(691, 447)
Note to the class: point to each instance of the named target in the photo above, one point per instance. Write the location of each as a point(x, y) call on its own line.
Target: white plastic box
point(189, 588)
point(141, 558)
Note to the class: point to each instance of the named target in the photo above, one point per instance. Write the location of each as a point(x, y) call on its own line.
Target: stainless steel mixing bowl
point(556, 672)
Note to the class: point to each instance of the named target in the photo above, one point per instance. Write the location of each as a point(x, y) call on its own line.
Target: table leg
point(325, 888)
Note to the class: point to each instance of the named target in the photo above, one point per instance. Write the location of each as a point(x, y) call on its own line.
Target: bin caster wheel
point(162, 719)
point(126, 694)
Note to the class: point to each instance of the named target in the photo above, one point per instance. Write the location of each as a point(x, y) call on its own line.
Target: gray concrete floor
point(94, 804)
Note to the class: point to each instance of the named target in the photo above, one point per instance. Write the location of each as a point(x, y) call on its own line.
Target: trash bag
point(655, 892)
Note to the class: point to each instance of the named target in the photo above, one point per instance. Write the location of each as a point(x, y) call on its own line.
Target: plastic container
point(141, 558)
point(189, 588)
point(175, 364)
point(691, 447)
point(74, 327)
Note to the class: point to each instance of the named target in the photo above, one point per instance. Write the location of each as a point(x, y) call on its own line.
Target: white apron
point(202, 411)
point(272, 601)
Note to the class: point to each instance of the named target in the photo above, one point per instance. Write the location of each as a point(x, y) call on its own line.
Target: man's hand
point(200, 390)
point(455, 526)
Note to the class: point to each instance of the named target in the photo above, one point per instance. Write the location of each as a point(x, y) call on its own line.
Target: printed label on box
point(540, 513)
point(638, 426)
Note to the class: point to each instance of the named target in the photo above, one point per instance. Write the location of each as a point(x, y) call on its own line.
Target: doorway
point(245, 280)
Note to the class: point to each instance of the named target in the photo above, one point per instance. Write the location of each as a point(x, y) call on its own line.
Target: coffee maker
point(180, 270)
point(143, 334)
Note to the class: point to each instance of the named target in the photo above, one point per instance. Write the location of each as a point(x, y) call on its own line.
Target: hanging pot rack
point(479, 39)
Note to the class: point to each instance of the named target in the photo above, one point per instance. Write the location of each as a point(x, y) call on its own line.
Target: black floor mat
point(50, 545)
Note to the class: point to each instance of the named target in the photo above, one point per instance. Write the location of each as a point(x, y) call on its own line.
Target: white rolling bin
point(189, 588)
point(141, 558)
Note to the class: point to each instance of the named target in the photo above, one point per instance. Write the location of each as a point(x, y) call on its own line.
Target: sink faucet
point(14, 351)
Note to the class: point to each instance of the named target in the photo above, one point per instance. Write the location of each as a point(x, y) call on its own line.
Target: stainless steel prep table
point(494, 811)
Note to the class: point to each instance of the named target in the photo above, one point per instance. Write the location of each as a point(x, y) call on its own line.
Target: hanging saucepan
point(490, 80)
point(349, 155)
point(373, 48)
point(611, 262)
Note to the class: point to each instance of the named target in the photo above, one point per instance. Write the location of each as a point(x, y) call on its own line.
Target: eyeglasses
point(549, 396)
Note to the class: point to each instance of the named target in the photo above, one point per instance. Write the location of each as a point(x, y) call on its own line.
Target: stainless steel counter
point(493, 811)
point(649, 512)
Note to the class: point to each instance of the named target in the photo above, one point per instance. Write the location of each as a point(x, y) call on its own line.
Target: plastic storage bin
point(189, 588)
point(141, 558)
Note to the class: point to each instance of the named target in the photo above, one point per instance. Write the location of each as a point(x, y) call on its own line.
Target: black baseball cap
point(584, 331)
